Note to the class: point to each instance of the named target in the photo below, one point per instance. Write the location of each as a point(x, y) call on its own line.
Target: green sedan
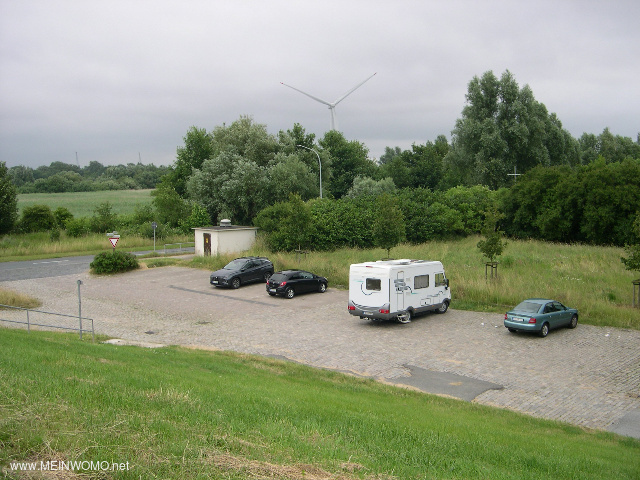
point(540, 315)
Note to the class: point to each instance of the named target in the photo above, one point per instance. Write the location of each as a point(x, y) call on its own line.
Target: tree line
point(61, 177)
point(566, 189)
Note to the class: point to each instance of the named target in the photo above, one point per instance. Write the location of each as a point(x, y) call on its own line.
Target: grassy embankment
point(178, 413)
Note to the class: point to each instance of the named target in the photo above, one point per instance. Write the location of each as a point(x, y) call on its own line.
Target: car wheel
point(444, 307)
point(512, 330)
point(323, 287)
point(574, 322)
point(405, 317)
point(235, 283)
point(289, 293)
point(544, 331)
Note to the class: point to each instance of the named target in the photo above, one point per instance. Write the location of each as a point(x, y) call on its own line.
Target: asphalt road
point(54, 267)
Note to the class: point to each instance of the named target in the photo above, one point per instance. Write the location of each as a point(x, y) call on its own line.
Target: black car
point(242, 270)
point(292, 282)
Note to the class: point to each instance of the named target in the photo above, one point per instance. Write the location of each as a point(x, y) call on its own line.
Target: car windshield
point(527, 307)
point(236, 264)
point(278, 277)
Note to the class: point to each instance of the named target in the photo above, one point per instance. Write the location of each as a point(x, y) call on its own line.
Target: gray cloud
point(122, 80)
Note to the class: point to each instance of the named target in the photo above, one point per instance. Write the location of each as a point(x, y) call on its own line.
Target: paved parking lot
point(591, 376)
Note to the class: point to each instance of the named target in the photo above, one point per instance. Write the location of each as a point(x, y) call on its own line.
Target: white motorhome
point(397, 289)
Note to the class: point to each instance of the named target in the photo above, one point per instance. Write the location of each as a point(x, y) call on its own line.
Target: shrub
point(37, 218)
point(103, 220)
point(62, 216)
point(78, 227)
point(115, 262)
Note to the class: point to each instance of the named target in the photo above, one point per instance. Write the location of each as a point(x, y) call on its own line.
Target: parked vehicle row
point(287, 283)
point(391, 290)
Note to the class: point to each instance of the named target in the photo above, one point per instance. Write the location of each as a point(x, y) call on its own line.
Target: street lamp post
point(319, 164)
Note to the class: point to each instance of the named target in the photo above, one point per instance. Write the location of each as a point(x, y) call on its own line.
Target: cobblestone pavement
point(589, 376)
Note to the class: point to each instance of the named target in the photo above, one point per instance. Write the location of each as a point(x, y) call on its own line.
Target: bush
point(62, 216)
point(37, 218)
point(114, 262)
point(103, 220)
point(78, 227)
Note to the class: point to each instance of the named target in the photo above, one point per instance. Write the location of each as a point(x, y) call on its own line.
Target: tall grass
point(592, 279)
point(15, 299)
point(82, 204)
point(178, 413)
point(40, 245)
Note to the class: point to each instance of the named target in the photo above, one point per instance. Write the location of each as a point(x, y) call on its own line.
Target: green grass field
point(178, 413)
point(82, 204)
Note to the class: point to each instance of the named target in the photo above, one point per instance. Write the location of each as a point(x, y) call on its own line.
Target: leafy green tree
point(632, 260)
point(349, 159)
point(8, 201)
point(420, 167)
point(388, 227)
point(246, 139)
point(287, 224)
point(198, 218)
point(230, 186)
point(37, 218)
point(365, 186)
point(613, 148)
point(171, 208)
point(198, 147)
point(389, 154)
point(21, 175)
point(289, 174)
point(610, 198)
point(493, 244)
point(503, 127)
point(471, 203)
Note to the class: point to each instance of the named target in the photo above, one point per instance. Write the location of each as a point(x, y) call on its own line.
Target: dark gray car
point(241, 271)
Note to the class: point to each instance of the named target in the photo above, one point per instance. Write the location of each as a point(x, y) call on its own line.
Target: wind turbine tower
point(332, 105)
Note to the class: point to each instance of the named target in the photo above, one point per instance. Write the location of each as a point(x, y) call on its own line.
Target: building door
point(207, 244)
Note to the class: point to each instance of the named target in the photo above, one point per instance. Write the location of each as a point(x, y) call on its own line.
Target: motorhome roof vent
point(225, 222)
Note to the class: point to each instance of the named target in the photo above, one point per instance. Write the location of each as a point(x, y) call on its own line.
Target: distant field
point(82, 204)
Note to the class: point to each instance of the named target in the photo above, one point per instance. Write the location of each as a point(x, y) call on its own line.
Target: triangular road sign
point(113, 241)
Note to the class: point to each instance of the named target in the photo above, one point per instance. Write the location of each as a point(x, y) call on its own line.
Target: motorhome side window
point(440, 281)
point(421, 281)
point(373, 284)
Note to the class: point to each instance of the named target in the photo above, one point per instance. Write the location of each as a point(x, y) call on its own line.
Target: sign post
point(113, 238)
point(154, 225)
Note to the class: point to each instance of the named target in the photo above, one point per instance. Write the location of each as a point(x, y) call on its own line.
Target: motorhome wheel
point(405, 317)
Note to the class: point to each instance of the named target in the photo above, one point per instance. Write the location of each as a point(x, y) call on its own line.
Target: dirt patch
point(253, 469)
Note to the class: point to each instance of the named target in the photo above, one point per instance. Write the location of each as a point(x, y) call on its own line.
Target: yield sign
point(113, 241)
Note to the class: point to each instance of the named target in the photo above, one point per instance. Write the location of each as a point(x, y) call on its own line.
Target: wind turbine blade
point(353, 89)
point(309, 95)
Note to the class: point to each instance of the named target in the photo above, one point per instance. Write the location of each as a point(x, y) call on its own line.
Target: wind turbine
point(331, 105)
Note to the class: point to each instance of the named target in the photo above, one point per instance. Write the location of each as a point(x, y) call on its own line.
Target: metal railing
point(29, 323)
point(188, 246)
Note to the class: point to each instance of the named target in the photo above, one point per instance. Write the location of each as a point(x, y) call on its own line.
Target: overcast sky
point(122, 81)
